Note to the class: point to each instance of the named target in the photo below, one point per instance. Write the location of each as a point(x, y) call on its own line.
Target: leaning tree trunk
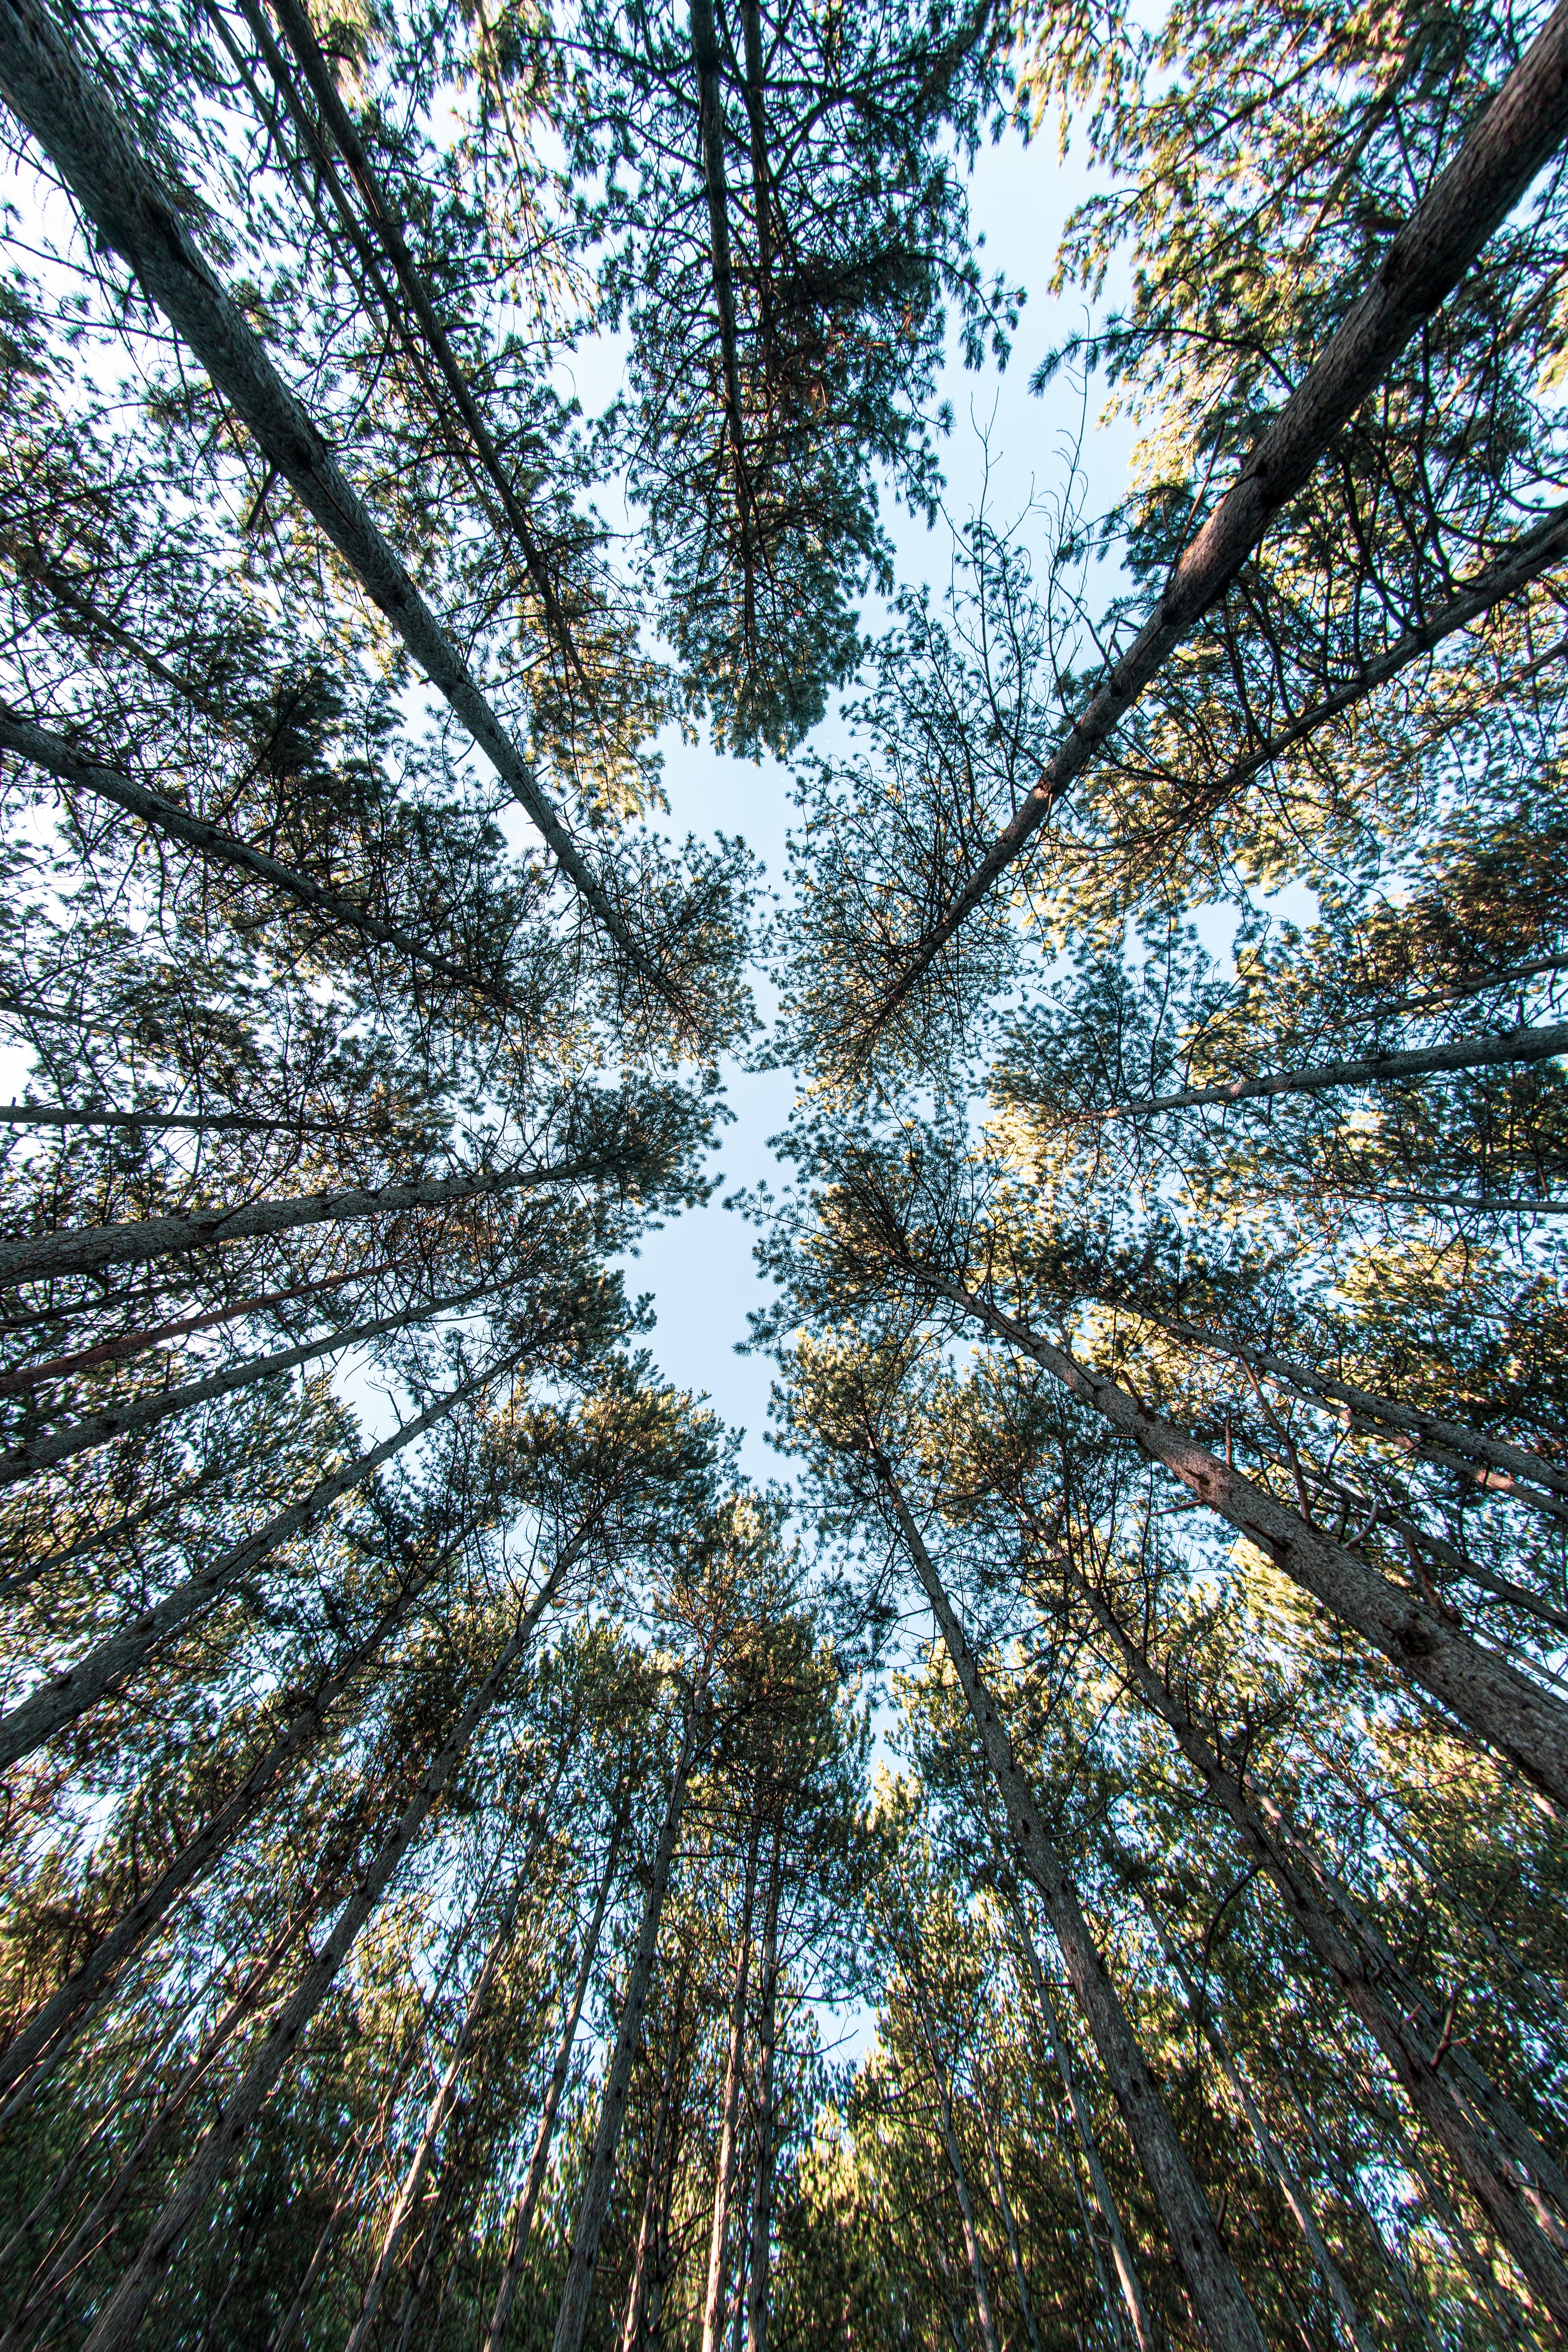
point(1504, 1707)
point(1431, 2095)
point(1218, 2297)
point(527, 2203)
point(759, 2266)
point(573, 2317)
point(121, 2316)
point(64, 1697)
point(74, 119)
point(1372, 1069)
point(724, 2177)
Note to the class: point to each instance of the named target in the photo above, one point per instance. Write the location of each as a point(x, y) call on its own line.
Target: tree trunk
point(710, 118)
point(52, 2026)
point(1138, 2311)
point(573, 2315)
point(139, 1413)
point(1430, 2093)
point(1514, 137)
point(759, 2264)
point(1218, 2297)
point(57, 756)
point(435, 2122)
point(954, 2155)
point(64, 1697)
point(1512, 1714)
point(1372, 1069)
point(647, 2227)
point(539, 2163)
point(762, 183)
point(1004, 2204)
point(719, 2240)
point(74, 119)
point(121, 2316)
point(87, 1249)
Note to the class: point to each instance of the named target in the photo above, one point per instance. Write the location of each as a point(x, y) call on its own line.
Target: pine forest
point(1058, 1842)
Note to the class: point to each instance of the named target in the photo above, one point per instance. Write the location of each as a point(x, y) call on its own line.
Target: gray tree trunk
point(724, 2177)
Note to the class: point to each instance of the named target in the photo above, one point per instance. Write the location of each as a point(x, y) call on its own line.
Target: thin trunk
point(719, 2238)
point(1505, 1708)
point(1114, 2316)
point(1004, 2204)
point(1127, 2275)
point(87, 1249)
point(539, 2163)
point(435, 2124)
point(47, 83)
point(955, 2155)
point(1268, 2149)
point(573, 2315)
point(1217, 2294)
point(64, 1697)
point(762, 180)
point(59, 756)
point(204, 1122)
point(121, 2316)
point(51, 2027)
point(143, 1412)
point(1518, 133)
point(760, 2264)
point(1431, 2094)
point(648, 2230)
point(1371, 1069)
point(705, 58)
point(1336, 2174)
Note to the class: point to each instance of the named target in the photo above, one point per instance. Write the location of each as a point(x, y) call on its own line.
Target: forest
point(1068, 1854)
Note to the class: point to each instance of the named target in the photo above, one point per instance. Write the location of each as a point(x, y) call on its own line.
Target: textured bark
point(1218, 2297)
point(47, 85)
point(1516, 135)
point(1372, 1069)
point(138, 1413)
point(760, 2264)
point(42, 748)
point(1512, 1714)
point(54, 2023)
point(121, 2316)
point(62, 1698)
point(87, 1249)
point(539, 2162)
point(1431, 2094)
point(573, 2315)
point(724, 2177)
point(1144, 2334)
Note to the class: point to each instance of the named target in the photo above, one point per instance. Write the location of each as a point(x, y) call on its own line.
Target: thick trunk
point(64, 1697)
point(1512, 1714)
point(138, 1413)
point(1218, 2297)
point(52, 2026)
point(1431, 2094)
point(1127, 2275)
point(1516, 135)
point(435, 2124)
point(573, 2315)
point(47, 85)
point(539, 2162)
point(763, 2186)
point(122, 2317)
point(87, 1249)
point(1009, 2224)
point(724, 2178)
point(59, 756)
point(1372, 1069)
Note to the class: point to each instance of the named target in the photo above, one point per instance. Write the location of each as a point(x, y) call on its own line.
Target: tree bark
point(121, 2316)
point(1518, 133)
point(45, 84)
point(955, 2155)
point(539, 2163)
point(87, 1249)
point(573, 2315)
point(1373, 1069)
point(1004, 2203)
point(1144, 2335)
point(1431, 2095)
point(705, 58)
point(760, 2265)
point(62, 1698)
point(1218, 2297)
point(57, 756)
point(1512, 1714)
point(52, 2026)
point(138, 1413)
point(724, 2177)
point(655, 2188)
